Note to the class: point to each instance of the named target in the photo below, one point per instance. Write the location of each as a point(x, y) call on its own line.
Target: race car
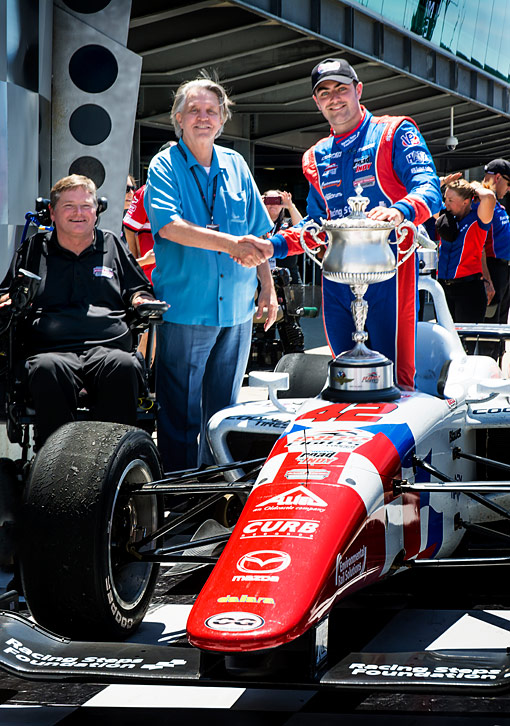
point(325, 499)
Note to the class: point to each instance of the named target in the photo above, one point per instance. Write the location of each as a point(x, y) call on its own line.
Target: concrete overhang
point(264, 51)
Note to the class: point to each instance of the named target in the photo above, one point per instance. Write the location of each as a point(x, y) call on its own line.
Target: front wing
point(29, 651)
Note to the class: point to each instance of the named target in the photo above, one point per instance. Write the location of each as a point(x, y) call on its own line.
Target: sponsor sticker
point(261, 421)
point(421, 169)
point(21, 652)
point(102, 272)
point(317, 457)
point(329, 441)
point(247, 598)
point(360, 168)
point(298, 498)
point(366, 181)
point(345, 143)
point(330, 169)
point(234, 622)
point(307, 474)
point(371, 378)
point(293, 528)
point(350, 567)
point(418, 157)
point(263, 562)
point(255, 578)
point(439, 672)
point(409, 138)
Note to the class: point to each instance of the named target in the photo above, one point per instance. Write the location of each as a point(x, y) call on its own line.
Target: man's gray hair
point(209, 84)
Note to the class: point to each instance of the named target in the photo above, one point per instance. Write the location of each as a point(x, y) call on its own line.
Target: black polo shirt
point(83, 299)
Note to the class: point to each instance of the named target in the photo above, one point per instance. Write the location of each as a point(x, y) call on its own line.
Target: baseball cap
point(498, 166)
point(333, 69)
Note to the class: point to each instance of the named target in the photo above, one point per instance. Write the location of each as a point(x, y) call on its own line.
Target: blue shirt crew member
point(207, 217)
point(463, 229)
point(497, 247)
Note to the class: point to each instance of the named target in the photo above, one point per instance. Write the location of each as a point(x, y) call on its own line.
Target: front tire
point(78, 518)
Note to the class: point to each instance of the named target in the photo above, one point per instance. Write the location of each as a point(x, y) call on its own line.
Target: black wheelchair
point(16, 409)
point(15, 405)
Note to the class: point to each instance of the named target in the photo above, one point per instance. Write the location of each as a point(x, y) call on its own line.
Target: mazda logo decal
point(263, 562)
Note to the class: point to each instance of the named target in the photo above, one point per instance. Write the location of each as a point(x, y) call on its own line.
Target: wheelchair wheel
point(78, 518)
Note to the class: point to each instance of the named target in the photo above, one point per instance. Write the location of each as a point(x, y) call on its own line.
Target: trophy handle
point(313, 229)
point(403, 230)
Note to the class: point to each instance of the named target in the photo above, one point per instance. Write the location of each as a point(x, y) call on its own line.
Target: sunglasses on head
point(130, 188)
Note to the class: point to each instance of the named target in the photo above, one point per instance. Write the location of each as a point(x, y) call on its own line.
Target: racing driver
point(388, 157)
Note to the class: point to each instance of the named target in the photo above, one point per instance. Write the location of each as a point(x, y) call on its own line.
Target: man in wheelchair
point(77, 332)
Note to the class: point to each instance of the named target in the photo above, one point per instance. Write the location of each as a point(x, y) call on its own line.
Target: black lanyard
point(195, 177)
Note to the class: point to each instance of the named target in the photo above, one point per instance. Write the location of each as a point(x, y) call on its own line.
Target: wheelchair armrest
point(149, 311)
point(145, 315)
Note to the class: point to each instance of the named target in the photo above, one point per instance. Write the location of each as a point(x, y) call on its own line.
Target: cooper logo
point(234, 622)
point(263, 562)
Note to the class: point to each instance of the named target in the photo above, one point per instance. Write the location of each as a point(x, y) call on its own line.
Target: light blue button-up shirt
point(203, 287)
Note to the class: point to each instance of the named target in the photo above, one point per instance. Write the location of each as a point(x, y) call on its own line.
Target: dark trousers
point(466, 301)
point(111, 378)
point(499, 272)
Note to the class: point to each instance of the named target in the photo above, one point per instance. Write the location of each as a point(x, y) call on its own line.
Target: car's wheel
point(77, 521)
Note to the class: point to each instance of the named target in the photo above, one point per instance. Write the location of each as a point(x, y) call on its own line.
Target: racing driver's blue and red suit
point(388, 157)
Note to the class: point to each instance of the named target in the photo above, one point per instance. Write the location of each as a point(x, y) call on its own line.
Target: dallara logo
point(247, 598)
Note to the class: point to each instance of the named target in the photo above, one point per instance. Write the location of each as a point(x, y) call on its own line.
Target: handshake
point(251, 251)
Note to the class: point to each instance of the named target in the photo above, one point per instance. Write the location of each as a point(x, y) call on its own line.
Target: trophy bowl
point(358, 251)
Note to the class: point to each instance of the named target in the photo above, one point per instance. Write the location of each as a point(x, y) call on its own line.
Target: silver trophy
point(358, 254)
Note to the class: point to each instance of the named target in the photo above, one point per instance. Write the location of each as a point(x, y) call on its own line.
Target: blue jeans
point(199, 370)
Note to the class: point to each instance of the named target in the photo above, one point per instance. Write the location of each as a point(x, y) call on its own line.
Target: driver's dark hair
point(72, 182)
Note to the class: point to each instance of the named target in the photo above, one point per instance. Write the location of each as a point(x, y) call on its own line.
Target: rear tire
point(77, 520)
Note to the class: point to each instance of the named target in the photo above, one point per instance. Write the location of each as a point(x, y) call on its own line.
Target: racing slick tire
point(77, 520)
point(307, 374)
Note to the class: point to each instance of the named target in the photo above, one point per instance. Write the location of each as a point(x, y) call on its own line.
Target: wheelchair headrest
point(42, 210)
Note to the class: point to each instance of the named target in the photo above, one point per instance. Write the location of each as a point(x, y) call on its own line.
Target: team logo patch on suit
point(410, 139)
point(103, 272)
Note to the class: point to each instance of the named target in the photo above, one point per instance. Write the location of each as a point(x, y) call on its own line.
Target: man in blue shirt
point(204, 209)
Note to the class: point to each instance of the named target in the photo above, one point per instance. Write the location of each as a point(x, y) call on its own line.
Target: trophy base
point(360, 375)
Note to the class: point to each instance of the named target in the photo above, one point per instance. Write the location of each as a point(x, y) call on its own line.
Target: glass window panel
point(471, 29)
